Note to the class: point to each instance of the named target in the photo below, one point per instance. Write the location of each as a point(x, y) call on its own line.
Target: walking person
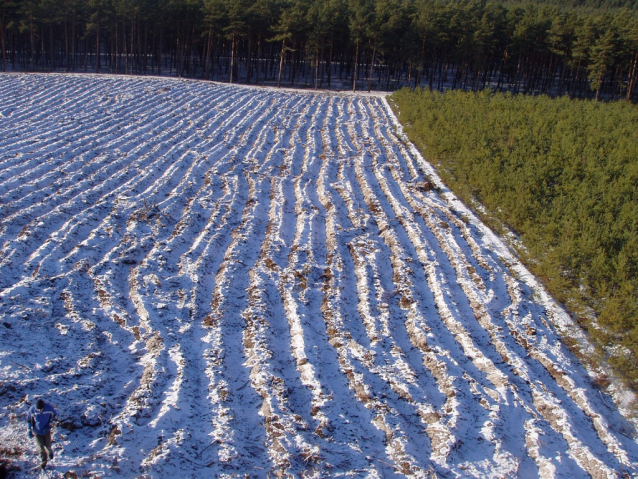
point(40, 419)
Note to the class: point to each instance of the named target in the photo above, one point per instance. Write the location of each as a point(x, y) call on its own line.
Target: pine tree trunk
point(632, 78)
point(207, 53)
point(281, 61)
point(145, 46)
point(51, 48)
point(159, 63)
point(330, 62)
point(132, 40)
point(66, 44)
point(374, 54)
point(356, 66)
point(232, 58)
point(32, 46)
point(249, 63)
point(125, 47)
point(258, 59)
point(2, 45)
point(73, 44)
point(97, 47)
point(316, 68)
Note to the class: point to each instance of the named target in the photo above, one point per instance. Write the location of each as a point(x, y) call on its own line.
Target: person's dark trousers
point(44, 445)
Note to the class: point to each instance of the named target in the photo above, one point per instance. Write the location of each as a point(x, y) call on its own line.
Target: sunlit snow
point(209, 280)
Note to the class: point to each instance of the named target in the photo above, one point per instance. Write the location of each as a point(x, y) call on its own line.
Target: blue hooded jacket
point(40, 422)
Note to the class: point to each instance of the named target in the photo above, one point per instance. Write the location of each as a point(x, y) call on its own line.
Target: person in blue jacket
point(40, 419)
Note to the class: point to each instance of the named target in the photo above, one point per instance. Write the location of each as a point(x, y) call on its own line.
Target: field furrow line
point(263, 318)
point(329, 411)
point(302, 170)
point(295, 398)
point(554, 410)
point(284, 259)
point(357, 361)
point(201, 261)
point(470, 283)
point(226, 328)
point(75, 192)
point(167, 367)
point(38, 92)
point(156, 340)
point(222, 280)
point(107, 127)
point(407, 220)
point(237, 429)
point(333, 409)
point(454, 326)
point(77, 119)
point(462, 337)
point(428, 214)
point(474, 287)
point(32, 236)
point(441, 438)
point(393, 354)
point(176, 205)
point(104, 356)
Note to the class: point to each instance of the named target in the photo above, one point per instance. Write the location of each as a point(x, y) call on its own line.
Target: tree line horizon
point(581, 48)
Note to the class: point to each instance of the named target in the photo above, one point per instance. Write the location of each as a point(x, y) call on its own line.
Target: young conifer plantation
point(582, 48)
point(562, 173)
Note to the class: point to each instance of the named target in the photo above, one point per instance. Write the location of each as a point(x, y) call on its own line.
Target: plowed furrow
point(96, 194)
point(179, 370)
point(398, 373)
point(359, 363)
point(491, 372)
point(226, 325)
point(286, 420)
point(212, 280)
point(326, 413)
point(233, 281)
point(469, 282)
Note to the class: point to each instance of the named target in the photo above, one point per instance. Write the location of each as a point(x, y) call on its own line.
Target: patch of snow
point(223, 280)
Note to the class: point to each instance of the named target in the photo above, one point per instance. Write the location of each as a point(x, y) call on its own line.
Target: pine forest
point(582, 48)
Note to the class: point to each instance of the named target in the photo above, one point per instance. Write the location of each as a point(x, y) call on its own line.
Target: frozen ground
point(216, 281)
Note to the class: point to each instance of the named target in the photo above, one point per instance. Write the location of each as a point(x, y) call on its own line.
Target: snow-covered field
point(218, 281)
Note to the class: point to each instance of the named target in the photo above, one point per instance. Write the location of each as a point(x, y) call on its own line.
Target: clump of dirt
point(211, 320)
point(119, 320)
point(6, 454)
point(270, 264)
point(327, 274)
point(112, 439)
point(425, 186)
point(11, 451)
point(154, 344)
point(68, 425)
point(405, 302)
point(303, 279)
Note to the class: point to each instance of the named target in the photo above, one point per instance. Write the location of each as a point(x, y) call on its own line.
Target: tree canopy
point(584, 48)
point(562, 173)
